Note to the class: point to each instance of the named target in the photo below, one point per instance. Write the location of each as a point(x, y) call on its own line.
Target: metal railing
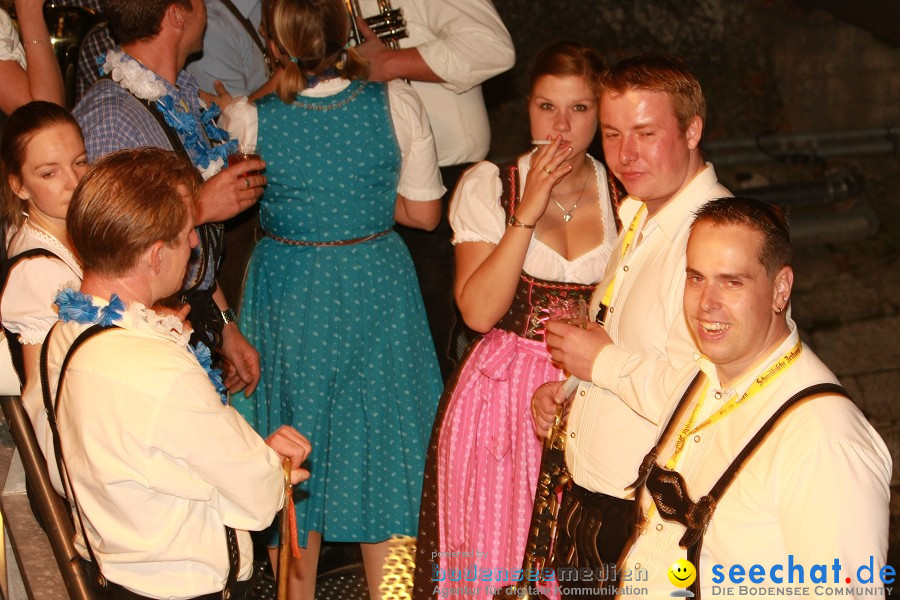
point(52, 508)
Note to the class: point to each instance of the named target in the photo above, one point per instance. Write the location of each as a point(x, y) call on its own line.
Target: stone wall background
point(774, 66)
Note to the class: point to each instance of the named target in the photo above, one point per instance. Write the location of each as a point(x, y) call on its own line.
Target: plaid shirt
point(112, 119)
point(97, 43)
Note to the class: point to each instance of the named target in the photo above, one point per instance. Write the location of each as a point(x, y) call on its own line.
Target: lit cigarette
point(541, 142)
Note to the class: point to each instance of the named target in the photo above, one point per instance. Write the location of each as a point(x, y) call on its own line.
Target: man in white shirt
point(452, 48)
point(167, 478)
point(816, 490)
point(652, 112)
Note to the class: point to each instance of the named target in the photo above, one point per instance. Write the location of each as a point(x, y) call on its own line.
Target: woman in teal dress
point(331, 299)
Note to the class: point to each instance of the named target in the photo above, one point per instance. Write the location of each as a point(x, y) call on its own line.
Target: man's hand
point(574, 349)
point(374, 50)
point(287, 442)
point(544, 403)
point(241, 368)
point(230, 191)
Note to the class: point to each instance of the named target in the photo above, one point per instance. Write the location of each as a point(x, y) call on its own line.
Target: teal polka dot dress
point(346, 354)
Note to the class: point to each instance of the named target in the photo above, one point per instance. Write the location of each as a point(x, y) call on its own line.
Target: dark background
point(772, 70)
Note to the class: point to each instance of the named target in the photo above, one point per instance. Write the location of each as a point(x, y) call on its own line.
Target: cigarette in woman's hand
point(541, 142)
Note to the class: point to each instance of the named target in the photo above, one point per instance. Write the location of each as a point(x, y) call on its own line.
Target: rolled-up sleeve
point(470, 44)
point(420, 179)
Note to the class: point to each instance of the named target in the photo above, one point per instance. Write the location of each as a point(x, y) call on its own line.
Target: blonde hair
point(314, 34)
point(659, 73)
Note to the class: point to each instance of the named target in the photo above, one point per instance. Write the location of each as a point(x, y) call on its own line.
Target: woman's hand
point(546, 171)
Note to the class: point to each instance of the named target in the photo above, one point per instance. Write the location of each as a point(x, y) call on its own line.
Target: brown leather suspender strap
point(51, 408)
point(246, 24)
point(693, 537)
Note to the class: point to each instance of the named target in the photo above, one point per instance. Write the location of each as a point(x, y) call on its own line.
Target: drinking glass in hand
point(573, 311)
point(246, 152)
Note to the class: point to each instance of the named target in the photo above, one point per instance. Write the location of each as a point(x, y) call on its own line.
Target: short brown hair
point(23, 124)
point(564, 58)
point(313, 35)
point(127, 201)
point(133, 20)
point(659, 73)
point(768, 219)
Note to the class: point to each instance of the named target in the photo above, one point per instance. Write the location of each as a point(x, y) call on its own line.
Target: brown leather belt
point(349, 242)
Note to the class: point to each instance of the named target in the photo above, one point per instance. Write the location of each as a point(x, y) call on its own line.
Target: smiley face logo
point(682, 573)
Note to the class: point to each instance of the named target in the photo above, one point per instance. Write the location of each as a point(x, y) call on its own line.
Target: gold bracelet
point(40, 42)
point(512, 221)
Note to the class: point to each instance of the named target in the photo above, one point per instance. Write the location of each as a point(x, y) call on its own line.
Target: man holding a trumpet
point(446, 51)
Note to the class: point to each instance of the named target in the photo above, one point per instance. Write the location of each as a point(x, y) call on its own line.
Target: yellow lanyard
point(774, 371)
point(626, 244)
point(767, 377)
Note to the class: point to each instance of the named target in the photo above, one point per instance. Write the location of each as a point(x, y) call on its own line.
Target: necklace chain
point(567, 216)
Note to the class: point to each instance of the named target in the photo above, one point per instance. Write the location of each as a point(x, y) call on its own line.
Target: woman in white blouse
point(42, 158)
point(526, 236)
point(28, 68)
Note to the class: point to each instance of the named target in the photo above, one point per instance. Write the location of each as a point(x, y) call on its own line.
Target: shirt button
point(581, 393)
point(573, 435)
point(625, 268)
point(612, 309)
point(697, 439)
point(659, 526)
point(637, 565)
point(718, 395)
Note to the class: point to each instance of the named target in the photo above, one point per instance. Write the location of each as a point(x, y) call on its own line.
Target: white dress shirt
point(607, 440)
point(158, 463)
point(817, 488)
point(476, 216)
point(465, 43)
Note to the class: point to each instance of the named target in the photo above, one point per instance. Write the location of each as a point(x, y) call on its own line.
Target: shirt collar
point(746, 380)
point(672, 215)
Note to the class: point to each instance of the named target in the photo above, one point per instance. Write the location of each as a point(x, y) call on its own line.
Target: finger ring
point(247, 182)
point(546, 170)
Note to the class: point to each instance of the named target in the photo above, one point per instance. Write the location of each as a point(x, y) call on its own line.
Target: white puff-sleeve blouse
point(26, 305)
point(476, 216)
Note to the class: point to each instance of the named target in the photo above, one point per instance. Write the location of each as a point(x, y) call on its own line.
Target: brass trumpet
point(389, 24)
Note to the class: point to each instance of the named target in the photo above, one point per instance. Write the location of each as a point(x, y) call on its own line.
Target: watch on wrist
point(229, 316)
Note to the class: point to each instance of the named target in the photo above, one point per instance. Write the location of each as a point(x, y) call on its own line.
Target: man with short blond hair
point(651, 121)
